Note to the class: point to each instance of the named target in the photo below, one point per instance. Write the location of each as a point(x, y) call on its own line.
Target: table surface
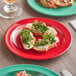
point(65, 61)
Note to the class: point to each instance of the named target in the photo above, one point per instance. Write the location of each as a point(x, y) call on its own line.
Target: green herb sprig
point(40, 26)
point(47, 39)
point(26, 37)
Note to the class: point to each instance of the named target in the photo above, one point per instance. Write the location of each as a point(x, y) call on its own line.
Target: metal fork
point(65, 73)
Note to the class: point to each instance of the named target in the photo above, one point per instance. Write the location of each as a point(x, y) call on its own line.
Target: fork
point(65, 73)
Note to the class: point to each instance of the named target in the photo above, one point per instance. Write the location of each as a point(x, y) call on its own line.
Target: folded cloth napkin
point(73, 24)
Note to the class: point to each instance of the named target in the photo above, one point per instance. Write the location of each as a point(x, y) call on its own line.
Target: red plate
point(13, 42)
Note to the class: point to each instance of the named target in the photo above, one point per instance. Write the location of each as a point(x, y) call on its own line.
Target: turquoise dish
point(34, 70)
point(60, 11)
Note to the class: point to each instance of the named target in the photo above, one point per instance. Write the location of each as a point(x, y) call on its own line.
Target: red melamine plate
point(12, 40)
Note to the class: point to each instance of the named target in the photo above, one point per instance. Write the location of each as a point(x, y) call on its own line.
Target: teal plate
point(60, 11)
point(34, 70)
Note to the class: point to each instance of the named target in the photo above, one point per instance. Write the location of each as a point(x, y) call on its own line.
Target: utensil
point(73, 24)
point(65, 73)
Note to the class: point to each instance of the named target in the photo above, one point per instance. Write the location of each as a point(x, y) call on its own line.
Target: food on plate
point(27, 38)
point(63, 3)
point(48, 36)
point(51, 30)
point(56, 3)
point(22, 73)
point(38, 28)
point(49, 41)
point(48, 3)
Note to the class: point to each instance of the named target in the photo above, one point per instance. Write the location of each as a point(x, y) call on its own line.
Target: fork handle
point(65, 73)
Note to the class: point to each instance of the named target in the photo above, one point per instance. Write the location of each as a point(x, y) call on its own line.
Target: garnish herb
point(26, 37)
point(40, 26)
point(47, 39)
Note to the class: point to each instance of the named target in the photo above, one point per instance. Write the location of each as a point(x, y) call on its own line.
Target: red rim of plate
point(19, 23)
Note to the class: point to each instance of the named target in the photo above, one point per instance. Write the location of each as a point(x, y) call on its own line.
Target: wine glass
point(10, 10)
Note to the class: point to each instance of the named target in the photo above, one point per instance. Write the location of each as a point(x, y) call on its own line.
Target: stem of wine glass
point(10, 7)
